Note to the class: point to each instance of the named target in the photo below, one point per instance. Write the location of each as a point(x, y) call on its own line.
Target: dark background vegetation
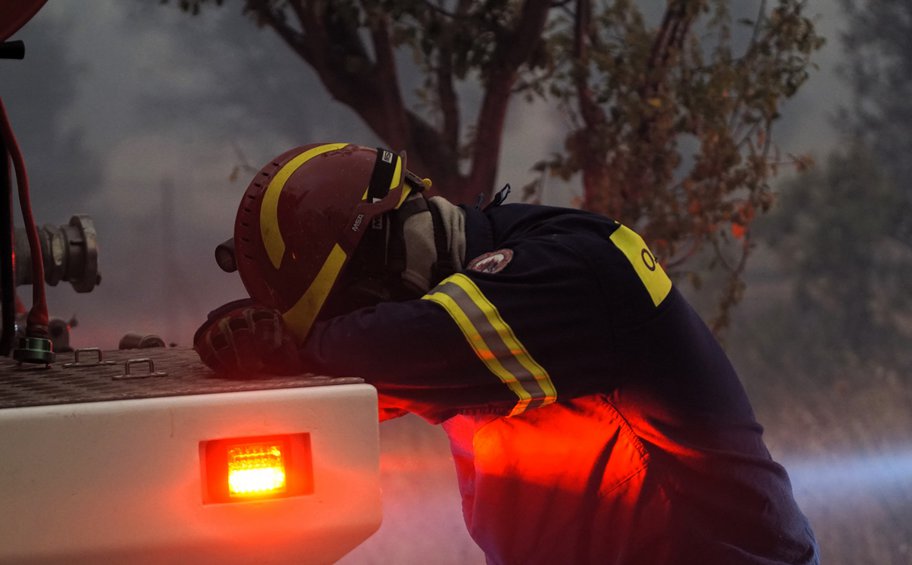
point(825, 346)
point(150, 120)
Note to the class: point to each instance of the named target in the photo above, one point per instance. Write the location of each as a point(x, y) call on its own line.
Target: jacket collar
point(478, 231)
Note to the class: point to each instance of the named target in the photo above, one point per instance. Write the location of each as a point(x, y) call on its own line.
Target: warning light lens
point(256, 469)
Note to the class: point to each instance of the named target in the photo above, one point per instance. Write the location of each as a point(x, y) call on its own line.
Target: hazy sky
point(119, 100)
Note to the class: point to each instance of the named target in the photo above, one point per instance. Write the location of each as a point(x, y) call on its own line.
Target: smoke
point(852, 474)
point(116, 101)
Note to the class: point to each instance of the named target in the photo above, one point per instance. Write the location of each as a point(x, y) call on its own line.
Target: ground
point(422, 517)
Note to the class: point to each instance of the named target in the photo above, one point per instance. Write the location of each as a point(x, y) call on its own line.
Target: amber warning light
point(255, 468)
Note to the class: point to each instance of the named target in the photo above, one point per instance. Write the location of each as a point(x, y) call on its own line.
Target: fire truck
point(142, 454)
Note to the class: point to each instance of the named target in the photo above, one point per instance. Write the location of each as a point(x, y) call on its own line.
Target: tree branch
point(446, 92)
point(592, 114)
point(513, 49)
point(675, 26)
point(385, 73)
point(593, 166)
point(292, 37)
point(370, 89)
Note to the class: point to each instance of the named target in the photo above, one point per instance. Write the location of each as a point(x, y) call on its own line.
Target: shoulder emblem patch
point(491, 262)
point(644, 263)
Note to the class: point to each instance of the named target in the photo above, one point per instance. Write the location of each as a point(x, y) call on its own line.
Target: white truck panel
point(119, 481)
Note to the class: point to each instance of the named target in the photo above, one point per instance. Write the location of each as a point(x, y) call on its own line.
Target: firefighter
point(592, 416)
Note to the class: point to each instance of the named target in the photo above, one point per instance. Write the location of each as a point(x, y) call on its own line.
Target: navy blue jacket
point(557, 307)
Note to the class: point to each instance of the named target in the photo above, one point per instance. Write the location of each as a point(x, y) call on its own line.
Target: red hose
point(38, 315)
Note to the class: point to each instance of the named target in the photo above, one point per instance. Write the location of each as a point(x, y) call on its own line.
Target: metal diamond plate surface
point(129, 374)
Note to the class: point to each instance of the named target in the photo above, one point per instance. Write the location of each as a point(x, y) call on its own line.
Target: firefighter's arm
point(499, 341)
point(419, 360)
point(244, 340)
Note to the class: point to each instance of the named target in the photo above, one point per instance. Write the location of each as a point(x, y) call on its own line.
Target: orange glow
point(253, 468)
point(557, 447)
point(256, 469)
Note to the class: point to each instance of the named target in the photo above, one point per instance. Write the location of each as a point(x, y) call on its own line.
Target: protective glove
point(243, 339)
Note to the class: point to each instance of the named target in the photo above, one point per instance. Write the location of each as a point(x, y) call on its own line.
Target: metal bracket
point(150, 373)
point(98, 358)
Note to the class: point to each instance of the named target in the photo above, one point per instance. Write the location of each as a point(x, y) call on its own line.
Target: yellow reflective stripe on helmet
point(406, 190)
point(651, 273)
point(397, 174)
point(269, 209)
point(301, 316)
point(494, 342)
point(395, 181)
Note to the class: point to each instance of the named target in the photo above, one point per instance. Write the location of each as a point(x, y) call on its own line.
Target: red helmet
point(302, 217)
point(14, 15)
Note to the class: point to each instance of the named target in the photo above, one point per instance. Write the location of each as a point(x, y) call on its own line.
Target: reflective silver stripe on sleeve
point(494, 342)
